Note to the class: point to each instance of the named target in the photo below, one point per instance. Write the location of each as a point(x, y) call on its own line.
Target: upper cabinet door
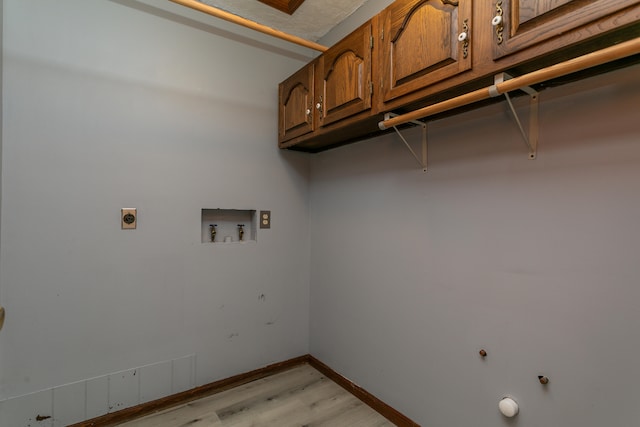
point(424, 42)
point(296, 104)
point(345, 70)
point(521, 24)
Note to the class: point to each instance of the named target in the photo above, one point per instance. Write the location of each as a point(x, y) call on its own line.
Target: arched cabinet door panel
point(538, 24)
point(423, 42)
point(345, 70)
point(295, 112)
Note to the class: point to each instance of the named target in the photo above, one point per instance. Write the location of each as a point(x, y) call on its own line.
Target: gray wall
point(535, 261)
point(112, 104)
point(1, 133)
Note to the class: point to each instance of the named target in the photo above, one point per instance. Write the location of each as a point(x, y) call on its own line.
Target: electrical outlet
point(128, 218)
point(265, 219)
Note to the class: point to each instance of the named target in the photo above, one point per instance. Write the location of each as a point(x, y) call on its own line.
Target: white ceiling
point(312, 20)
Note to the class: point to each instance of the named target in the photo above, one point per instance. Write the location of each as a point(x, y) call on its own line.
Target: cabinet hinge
point(371, 42)
point(382, 34)
point(370, 88)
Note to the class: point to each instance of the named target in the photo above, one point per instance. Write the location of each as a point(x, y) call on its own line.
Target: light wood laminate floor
point(301, 397)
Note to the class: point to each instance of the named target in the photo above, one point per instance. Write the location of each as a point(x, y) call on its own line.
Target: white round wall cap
point(508, 407)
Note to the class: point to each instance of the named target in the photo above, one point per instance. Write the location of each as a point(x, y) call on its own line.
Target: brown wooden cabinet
point(344, 87)
point(418, 52)
point(423, 42)
point(334, 87)
point(295, 109)
point(546, 25)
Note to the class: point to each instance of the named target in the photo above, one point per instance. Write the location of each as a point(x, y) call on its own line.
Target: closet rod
point(589, 60)
point(218, 13)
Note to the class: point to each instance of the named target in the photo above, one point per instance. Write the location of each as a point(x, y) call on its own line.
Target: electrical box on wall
point(265, 219)
point(228, 225)
point(128, 218)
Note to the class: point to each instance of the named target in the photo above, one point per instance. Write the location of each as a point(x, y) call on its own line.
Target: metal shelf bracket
point(421, 161)
point(530, 139)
